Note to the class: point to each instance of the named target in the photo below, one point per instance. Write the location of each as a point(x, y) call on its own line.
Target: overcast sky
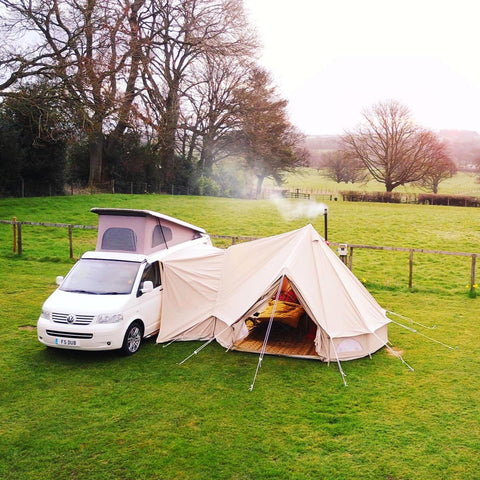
point(333, 58)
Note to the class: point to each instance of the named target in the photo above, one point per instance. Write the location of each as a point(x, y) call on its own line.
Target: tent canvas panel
point(190, 282)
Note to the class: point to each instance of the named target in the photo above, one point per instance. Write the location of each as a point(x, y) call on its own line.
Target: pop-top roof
point(130, 212)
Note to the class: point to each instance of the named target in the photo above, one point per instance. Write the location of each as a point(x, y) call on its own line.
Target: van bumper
point(79, 337)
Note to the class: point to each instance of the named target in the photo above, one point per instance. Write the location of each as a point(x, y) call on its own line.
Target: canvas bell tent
point(236, 296)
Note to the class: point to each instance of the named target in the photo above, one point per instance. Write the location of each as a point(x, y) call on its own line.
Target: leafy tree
point(33, 144)
point(270, 144)
point(395, 150)
point(89, 51)
point(78, 162)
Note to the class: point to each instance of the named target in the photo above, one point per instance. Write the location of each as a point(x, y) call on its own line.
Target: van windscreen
point(101, 277)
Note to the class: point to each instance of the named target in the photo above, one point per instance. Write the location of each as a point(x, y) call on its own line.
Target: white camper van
point(111, 298)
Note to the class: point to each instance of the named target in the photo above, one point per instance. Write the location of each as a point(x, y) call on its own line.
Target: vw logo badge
point(70, 319)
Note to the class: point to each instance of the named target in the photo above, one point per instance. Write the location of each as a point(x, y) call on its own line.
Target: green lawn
point(79, 415)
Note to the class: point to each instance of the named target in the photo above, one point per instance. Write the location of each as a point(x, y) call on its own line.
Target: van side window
point(157, 236)
point(116, 238)
point(152, 273)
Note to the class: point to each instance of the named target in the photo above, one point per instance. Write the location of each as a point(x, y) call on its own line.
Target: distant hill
point(463, 145)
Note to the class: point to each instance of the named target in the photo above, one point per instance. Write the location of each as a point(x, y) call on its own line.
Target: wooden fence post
point(19, 237)
point(410, 270)
point(70, 239)
point(350, 260)
point(472, 272)
point(14, 234)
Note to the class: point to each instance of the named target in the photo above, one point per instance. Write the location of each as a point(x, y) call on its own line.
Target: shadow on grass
point(85, 357)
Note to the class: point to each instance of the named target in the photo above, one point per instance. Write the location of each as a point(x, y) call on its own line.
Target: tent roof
point(331, 293)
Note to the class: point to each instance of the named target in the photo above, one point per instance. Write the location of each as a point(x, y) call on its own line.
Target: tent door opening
point(292, 332)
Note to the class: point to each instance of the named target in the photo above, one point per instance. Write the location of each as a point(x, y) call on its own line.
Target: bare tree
point(392, 147)
point(214, 109)
point(91, 50)
point(181, 35)
point(341, 167)
point(442, 169)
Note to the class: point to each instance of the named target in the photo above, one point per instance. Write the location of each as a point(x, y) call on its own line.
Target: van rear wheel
point(132, 339)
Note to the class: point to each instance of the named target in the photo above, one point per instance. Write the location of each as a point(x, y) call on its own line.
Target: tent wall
point(350, 348)
point(190, 286)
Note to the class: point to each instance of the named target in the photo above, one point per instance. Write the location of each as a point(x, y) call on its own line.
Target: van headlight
point(46, 314)
point(109, 318)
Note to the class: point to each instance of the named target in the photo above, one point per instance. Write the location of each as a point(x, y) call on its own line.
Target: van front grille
point(70, 319)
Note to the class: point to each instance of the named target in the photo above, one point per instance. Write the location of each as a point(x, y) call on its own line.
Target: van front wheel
point(132, 339)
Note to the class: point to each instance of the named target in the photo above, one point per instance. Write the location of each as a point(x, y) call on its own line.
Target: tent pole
point(169, 343)
point(196, 351)
point(267, 334)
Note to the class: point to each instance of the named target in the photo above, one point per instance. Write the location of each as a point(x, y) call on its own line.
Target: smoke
point(297, 209)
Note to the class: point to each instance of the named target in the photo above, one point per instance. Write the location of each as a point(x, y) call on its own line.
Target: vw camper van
point(111, 298)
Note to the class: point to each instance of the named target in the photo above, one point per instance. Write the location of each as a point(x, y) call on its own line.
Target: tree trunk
point(389, 187)
point(260, 179)
point(95, 149)
point(168, 132)
point(206, 157)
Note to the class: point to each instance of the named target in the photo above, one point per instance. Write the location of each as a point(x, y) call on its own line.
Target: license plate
point(67, 342)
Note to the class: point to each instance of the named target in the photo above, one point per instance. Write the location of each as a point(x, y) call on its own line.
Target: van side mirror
point(146, 287)
point(59, 280)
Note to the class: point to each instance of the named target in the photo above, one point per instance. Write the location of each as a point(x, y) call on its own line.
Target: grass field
point(78, 415)
point(463, 183)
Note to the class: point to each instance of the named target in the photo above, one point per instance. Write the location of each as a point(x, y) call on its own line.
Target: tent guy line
point(413, 330)
point(411, 320)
